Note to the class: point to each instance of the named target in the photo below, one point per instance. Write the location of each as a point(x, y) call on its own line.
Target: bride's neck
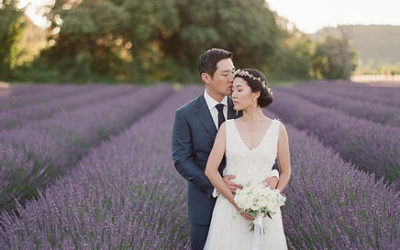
point(252, 115)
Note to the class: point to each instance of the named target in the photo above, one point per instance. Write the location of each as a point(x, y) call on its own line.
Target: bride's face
point(242, 95)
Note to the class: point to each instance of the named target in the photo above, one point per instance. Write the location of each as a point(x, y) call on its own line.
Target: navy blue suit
point(193, 138)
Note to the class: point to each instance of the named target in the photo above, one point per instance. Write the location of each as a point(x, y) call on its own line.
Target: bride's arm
point(283, 158)
point(215, 158)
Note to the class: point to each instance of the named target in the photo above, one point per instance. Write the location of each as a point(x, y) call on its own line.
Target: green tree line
point(146, 41)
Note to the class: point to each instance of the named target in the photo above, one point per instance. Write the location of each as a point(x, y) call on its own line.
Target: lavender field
point(90, 167)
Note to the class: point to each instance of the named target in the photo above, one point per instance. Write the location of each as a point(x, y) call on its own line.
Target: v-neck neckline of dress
point(244, 144)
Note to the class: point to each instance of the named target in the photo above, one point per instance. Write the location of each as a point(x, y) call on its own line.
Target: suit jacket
point(192, 140)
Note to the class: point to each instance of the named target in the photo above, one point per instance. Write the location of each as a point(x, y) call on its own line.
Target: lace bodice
point(250, 164)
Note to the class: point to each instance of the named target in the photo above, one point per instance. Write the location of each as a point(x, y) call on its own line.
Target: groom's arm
point(183, 157)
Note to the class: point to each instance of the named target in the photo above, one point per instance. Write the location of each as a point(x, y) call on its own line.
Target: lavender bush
point(19, 116)
point(124, 194)
point(51, 92)
point(370, 146)
point(32, 156)
point(365, 110)
point(20, 90)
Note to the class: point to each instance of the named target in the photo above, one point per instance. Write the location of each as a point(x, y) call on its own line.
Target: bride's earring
point(237, 112)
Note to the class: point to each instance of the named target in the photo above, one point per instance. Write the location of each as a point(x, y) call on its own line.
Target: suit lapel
point(204, 115)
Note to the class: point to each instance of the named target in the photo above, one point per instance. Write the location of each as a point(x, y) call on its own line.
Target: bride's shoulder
point(272, 120)
point(277, 121)
point(279, 124)
point(282, 128)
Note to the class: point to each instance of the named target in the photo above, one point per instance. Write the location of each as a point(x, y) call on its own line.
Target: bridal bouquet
point(257, 198)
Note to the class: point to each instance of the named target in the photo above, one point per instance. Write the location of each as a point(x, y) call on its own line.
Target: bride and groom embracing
point(222, 140)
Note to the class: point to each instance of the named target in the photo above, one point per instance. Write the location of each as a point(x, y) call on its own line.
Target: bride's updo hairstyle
point(257, 82)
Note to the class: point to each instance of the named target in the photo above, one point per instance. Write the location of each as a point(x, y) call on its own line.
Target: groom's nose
point(230, 78)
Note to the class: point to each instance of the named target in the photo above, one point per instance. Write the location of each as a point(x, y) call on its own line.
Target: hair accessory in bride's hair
point(264, 84)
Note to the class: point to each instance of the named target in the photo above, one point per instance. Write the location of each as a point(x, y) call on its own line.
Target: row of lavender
point(34, 155)
point(371, 146)
point(16, 117)
point(371, 111)
point(127, 194)
point(42, 95)
point(388, 96)
point(19, 90)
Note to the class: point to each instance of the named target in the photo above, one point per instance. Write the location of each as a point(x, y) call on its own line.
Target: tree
point(152, 40)
point(116, 38)
point(333, 58)
point(11, 28)
point(293, 59)
point(159, 39)
point(246, 27)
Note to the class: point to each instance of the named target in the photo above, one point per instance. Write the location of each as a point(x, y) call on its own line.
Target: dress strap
point(228, 133)
point(276, 129)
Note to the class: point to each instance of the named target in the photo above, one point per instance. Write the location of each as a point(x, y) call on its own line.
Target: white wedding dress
point(228, 229)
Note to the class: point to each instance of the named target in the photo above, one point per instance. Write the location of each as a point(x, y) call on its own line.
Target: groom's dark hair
point(208, 60)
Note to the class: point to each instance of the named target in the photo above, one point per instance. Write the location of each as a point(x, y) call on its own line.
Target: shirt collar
point(211, 102)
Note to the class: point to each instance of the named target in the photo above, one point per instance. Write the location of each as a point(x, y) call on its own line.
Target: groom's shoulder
point(189, 106)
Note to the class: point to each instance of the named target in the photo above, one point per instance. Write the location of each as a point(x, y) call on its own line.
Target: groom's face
point(221, 82)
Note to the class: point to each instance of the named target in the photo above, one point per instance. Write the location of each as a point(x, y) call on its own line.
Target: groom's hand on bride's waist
point(230, 184)
point(272, 182)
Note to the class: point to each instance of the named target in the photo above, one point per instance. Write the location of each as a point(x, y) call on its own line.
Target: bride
point(251, 144)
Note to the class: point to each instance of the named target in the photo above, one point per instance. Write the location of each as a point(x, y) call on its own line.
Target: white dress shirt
point(213, 110)
point(211, 102)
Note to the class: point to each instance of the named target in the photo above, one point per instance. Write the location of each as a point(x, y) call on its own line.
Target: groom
point(195, 127)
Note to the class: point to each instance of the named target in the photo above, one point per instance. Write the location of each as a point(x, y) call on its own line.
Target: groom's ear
point(206, 78)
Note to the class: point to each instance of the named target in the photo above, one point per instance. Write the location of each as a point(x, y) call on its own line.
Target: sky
point(311, 15)
point(307, 15)
point(33, 10)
